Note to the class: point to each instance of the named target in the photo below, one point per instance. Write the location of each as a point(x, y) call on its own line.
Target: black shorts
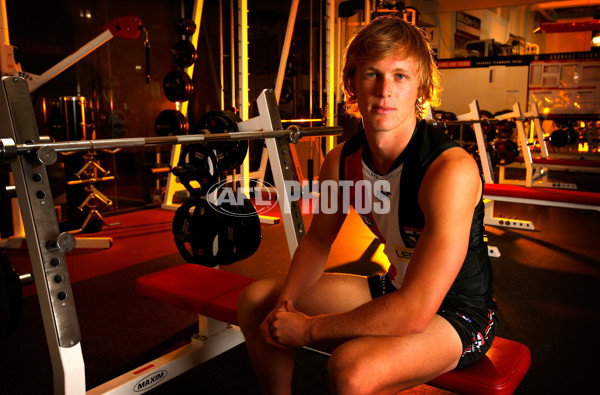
point(476, 327)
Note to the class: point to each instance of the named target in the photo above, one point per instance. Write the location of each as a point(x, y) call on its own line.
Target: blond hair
point(385, 36)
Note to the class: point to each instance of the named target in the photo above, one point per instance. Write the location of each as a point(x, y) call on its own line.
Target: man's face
point(386, 92)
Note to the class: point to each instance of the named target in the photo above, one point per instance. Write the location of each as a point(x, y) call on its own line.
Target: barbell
point(46, 152)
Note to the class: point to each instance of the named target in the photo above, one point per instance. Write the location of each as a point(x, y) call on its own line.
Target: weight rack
point(29, 154)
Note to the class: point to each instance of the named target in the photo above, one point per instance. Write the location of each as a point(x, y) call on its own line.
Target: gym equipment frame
point(524, 193)
point(28, 154)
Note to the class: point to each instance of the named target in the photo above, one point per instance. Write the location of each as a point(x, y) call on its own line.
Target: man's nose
point(385, 86)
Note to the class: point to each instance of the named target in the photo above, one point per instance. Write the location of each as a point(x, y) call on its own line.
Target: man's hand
point(265, 327)
point(286, 327)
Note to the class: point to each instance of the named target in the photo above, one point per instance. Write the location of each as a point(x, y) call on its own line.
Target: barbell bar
point(45, 152)
point(483, 121)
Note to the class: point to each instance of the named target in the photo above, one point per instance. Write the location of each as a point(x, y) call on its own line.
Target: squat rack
point(28, 155)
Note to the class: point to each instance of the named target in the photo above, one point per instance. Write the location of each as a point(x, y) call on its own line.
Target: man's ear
point(350, 87)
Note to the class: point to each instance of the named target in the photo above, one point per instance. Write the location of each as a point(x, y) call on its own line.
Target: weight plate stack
point(178, 86)
point(209, 235)
point(230, 154)
point(171, 123)
point(197, 169)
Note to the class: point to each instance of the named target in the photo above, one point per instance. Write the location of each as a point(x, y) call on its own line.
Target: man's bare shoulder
point(330, 168)
point(453, 175)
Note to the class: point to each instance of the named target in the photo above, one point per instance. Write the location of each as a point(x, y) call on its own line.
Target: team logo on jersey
point(410, 235)
point(367, 220)
point(404, 254)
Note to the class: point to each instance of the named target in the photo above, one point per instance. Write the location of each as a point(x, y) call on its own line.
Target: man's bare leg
point(386, 365)
point(274, 367)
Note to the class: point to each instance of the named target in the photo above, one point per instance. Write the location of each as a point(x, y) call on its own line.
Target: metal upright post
point(486, 166)
point(47, 246)
point(330, 75)
point(533, 113)
point(282, 169)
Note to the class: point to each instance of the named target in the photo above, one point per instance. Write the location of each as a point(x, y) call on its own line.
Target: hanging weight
point(488, 130)
point(573, 135)
point(239, 231)
point(178, 86)
point(171, 123)
point(504, 128)
point(185, 27)
point(211, 235)
point(191, 230)
point(473, 150)
point(452, 131)
point(11, 297)
point(559, 138)
point(230, 154)
point(197, 168)
point(248, 231)
point(184, 54)
point(506, 151)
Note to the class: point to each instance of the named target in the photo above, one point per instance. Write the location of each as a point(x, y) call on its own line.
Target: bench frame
point(499, 372)
point(213, 338)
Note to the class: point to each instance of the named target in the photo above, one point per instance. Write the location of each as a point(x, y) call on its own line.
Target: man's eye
point(401, 76)
point(371, 75)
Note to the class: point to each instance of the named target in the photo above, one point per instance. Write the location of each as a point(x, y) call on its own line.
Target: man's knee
point(348, 374)
point(256, 300)
point(352, 372)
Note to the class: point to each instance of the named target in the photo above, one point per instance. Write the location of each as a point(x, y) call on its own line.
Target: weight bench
point(214, 293)
point(542, 196)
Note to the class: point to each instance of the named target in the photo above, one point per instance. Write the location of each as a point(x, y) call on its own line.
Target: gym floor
point(546, 285)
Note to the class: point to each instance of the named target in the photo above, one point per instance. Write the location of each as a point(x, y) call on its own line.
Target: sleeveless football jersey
point(388, 205)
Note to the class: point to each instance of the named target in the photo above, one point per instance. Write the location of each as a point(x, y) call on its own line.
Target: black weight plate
point(240, 233)
point(506, 151)
point(11, 297)
point(228, 230)
point(171, 123)
point(505, 129)
point(211, 235)
point(184, 53)
point(185, 26)
point(250, 235)
point(230, 154)
point(195, 233)
point(178, 86)
point(197, 169)
point(573, 136)
point(559, 138)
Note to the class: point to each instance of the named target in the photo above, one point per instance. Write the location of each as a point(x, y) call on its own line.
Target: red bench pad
point(499, 372)
point(214, 293)
point(199, 289)
point(538, 193)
